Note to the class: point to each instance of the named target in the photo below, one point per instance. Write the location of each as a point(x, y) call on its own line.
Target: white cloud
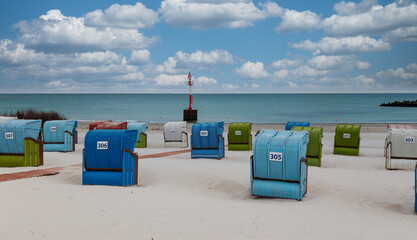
point(58, 33)
point(281, 74)
point(12, 53)
point(123, 16)
point(208, 58)
point(292, 85)
point(169, 66)
point(139, 57)
point(378, 20)
point(181, 61)
point(348, 45)
point(409, 73)
point(254, 85)
point(170, 80)
point(406, 34)
point(345, 62)
point(252, 70)
point(203, 80)
point(287, 63)
point(64, 71)
point(294, 21)
point(350, 8)
point(365, 81)
point(229, 86)
point(216, 14)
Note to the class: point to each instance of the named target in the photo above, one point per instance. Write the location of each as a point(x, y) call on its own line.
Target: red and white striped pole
point(190, 83)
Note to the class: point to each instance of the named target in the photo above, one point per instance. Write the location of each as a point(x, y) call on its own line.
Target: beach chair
point(399, 126)
point(75, 132)
point(400, 149)
point(239, 136)
point(108, 158)
point(93, 125)
point(415, 189)
point(58, 136)
point(347, 139)
point(142, 138)
point(279, 166)
point(20, 143)
point(175, 135)
point(314, 147)
point(112, 125)
point(289, 125)
point(207, 140)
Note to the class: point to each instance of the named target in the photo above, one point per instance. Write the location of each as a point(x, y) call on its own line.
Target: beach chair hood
point(14, 132)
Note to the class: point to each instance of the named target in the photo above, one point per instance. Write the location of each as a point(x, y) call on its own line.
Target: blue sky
point(231, 46)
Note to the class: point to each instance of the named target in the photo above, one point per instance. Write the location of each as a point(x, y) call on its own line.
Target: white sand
point(183, 198)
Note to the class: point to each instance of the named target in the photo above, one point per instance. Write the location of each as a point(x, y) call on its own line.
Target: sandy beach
point(183, 198)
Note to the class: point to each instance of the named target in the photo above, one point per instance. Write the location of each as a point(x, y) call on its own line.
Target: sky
point(235, 46)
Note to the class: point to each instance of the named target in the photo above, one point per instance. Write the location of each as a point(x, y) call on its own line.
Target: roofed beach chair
point(314, 147)
point(289, 125)
point(347, 139)
point(58, 136)
point(75, 132)
point(399, 126)
point(400, 149)
point(93, 125)
point(142, 138)
point(207, 140)
point(112, 125)
point(415, 189)
point(279, 165)
point(20, 143)
point(239, 136)
point(175, 135)
point(108, 158)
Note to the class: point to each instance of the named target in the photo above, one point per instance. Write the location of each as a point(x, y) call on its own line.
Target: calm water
point(256, 108)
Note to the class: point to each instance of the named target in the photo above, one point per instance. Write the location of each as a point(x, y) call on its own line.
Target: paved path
point(56, 170)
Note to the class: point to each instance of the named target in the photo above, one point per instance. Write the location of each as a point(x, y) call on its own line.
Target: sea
point(255, 108)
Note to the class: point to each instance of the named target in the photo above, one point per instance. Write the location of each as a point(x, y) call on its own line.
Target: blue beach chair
point(75, 132)
point(58, 136)
point(207, 140)
point(108, 158)
point(279, 165)
point(289, 125)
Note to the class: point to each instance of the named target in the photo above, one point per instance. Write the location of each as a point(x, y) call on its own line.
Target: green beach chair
point(240, 137)
point(314, 146)
point(347, 139)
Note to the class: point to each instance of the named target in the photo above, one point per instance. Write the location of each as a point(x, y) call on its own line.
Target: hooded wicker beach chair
point(108, 158)
point(400, 149)
point(314, 147)
point(142, 138)
point(239, 136)
point(58, 136)
point(289, 125)
point(207, 140)
point(347, 139)
point(20, 143)
point(175, 135)
point(279, 165)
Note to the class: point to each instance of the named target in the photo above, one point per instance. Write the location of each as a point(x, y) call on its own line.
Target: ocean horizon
point(233, 107)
